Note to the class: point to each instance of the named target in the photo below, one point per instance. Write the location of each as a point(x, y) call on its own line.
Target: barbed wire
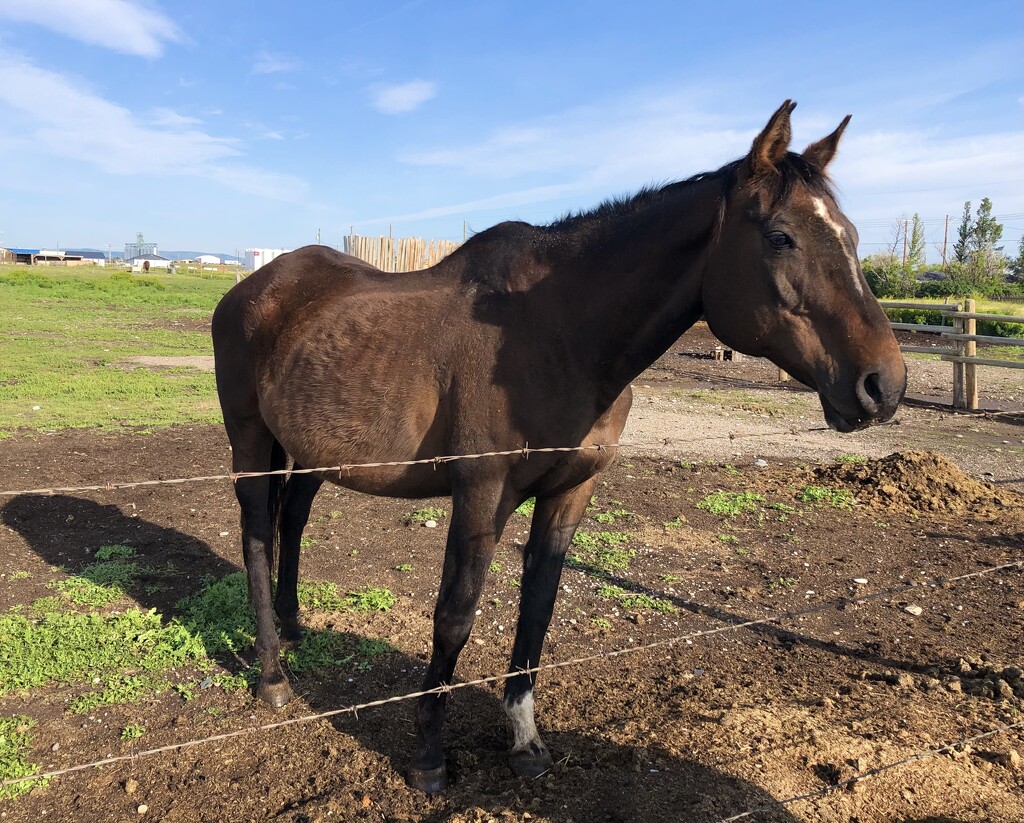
point(447, 688)
point(524, 451)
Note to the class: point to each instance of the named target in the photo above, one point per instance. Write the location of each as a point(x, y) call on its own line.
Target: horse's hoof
point(275, 694)
point(532, 762)
point(430, 781)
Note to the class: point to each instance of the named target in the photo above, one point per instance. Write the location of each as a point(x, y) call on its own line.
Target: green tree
point(986, 257)
point(1016, 265)
point(964, 233)
point(915, 246)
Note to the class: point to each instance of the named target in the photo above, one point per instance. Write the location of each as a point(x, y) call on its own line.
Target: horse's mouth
point(838, 421)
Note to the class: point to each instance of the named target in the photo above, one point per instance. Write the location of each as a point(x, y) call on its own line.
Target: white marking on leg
point(821, 209)
point(520, 716)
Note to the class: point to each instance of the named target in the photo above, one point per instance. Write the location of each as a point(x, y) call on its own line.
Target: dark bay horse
point(528, 335)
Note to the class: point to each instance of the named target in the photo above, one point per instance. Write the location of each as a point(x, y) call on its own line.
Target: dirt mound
point(916, 481)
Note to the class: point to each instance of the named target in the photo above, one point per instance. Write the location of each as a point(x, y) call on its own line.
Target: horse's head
point(783, 281)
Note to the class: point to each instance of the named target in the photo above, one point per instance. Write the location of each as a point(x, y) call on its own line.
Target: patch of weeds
point(527, 506)
point(404, 567)
point(600, 550)
point(98, 584)
point(19, 575)
point(423, 515)
point(14, 742)
point(837, 498)
point(728, 538)
point(636, 602)
point(306, 542)
point(234, 682)
point(370, 599)
point(780, 583)
point(118, 551)
point(373, 647)
point(601, 622)
point(742, 551)
point(133, 731)
point(670, 578)
point(336, 515)
point(730, 504)
point(731, 470)
point(125, 689)
point(320, 651)
point(610, 515)
point(495, 567)
point(186, 691)
point(851, 458)
point(676, 522)
point(214, 711)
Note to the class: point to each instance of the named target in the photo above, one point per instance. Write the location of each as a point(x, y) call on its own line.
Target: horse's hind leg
point(252, 447)
point(298, 499)
point(554, 522)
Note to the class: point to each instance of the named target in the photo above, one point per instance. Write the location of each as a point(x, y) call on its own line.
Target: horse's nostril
point(869, 392)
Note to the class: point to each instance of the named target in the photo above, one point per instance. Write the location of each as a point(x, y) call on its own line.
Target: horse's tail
point(278, 486)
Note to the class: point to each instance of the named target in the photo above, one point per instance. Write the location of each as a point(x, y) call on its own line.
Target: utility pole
point(318, 237)
point(904, 266)
point(945, 240)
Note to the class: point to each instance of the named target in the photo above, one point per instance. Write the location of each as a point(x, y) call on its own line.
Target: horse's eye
point(780, 240)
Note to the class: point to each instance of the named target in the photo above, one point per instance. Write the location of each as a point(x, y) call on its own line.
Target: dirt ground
point(700, 731)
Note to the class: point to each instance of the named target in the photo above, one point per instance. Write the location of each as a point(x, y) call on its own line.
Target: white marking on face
point(821, 209)
point(520, 716)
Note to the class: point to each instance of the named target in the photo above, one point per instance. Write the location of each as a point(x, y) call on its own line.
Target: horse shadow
point(595, 778)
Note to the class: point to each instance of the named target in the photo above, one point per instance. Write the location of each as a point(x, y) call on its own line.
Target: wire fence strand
point(524, 451)
point(354, 710)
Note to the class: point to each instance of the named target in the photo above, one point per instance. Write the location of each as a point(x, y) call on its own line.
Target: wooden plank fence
point(964, 338)
point(398, 254)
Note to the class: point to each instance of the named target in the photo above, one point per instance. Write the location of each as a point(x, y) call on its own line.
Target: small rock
point(1003, 689)
point(430, 524)
point(955, 685)
point(131, 785)
point(860, 581)
point(207, 683)
point(761, 464)
point(143, 809)
point(904, 681)
point(917, 611)
point(55, 747)
point(1011, 760)
point(224, 534)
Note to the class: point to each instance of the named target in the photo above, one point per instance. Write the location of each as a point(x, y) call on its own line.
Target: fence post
point(783, 375)
point(971, 350)
point(959, 400)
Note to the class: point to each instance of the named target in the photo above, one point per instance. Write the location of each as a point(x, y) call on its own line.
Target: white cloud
point(270, 63)
point(403, 97)
point(67, 120)
point(119, 25)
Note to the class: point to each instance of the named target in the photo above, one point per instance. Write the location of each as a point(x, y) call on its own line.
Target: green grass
point(527, 506)
point(731, 504)
point(603, 551)
point(423, 515)
point(133, 731)
point(14, 742)
point(636, 602)
point(67, 337)
point(837, 498)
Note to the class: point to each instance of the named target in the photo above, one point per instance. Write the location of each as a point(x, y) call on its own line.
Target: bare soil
point(699, 731)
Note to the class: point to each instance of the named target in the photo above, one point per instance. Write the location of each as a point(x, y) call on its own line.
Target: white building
point(148, 262)
point(254, 258)
point(208, 260)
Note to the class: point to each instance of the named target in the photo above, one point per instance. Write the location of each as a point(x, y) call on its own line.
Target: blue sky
point(216, 126)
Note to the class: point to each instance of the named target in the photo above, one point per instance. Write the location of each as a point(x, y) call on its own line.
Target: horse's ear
point(822, 152)
point(770, 145)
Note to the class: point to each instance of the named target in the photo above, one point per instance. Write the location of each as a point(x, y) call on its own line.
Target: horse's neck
point(631, 293)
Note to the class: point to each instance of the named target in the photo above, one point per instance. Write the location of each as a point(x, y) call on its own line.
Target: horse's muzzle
point(875, 397)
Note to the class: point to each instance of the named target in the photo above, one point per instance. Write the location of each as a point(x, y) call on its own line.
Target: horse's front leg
point(554, 522)
point(479, 514)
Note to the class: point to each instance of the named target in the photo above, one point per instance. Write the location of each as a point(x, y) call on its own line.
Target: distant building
point(208, 260)
point(254, 258)
point(148, 262)
point(139, 248)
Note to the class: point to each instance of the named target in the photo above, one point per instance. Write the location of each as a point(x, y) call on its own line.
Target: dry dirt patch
point(202, 362)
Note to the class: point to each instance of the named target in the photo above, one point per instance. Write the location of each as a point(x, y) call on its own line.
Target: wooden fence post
point(959, 400)
point(971, 350)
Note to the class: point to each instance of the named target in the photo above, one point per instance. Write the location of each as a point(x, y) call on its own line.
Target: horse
point(527, 336)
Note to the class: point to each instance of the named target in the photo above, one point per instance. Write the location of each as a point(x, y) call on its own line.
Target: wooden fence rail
point(398, 254)
point(963, 349)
